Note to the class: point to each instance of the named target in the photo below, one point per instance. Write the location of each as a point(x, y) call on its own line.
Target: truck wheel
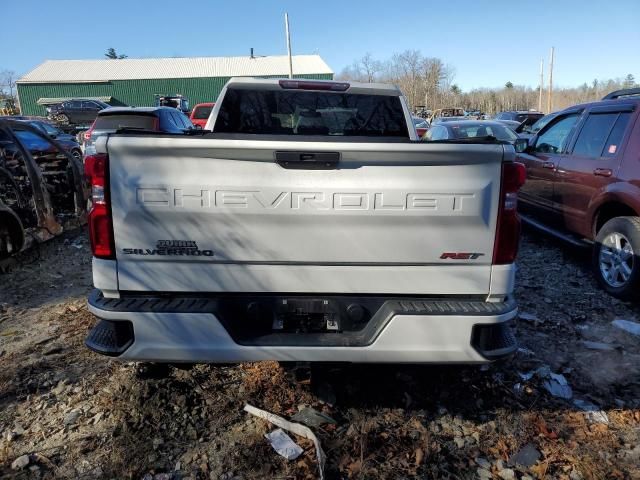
point(616, 256)
point(63, 119)
point(77, 154)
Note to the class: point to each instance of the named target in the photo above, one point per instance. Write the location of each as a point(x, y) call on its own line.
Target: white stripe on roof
point(151, 68)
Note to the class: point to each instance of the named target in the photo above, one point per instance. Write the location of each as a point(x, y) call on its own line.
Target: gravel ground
point(68, 413)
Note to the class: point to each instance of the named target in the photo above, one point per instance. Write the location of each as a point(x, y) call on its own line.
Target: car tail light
point(311, 85)
point(505, 248)
point(87, 134)
point(96, 168)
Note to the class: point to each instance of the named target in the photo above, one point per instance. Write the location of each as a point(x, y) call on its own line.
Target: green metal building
point(136, 82)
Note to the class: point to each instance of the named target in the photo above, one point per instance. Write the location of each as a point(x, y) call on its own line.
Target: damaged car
point(41, 187)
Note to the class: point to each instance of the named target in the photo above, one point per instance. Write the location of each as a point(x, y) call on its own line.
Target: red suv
point(200, 113)
point(583, 183)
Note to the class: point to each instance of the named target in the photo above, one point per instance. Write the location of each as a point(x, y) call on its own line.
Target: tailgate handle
point(308, 160)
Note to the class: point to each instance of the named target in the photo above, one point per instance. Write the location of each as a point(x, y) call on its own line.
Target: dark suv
point(76, 112)
point(583, 183)
point(157, 119)
point(524, 117)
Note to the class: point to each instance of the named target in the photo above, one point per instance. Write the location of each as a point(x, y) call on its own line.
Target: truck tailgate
point(213, 215)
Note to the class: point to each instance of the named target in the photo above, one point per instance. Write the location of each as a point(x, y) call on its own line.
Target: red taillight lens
point(505, 248)
point(96, 168)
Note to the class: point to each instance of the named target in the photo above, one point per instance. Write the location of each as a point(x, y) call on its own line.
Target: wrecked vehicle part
point(11, 232)
point(41, 188)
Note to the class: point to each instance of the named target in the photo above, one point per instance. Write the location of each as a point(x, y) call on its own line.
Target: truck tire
point(63, 119)
point(77, 154)
point(616, 256)
point(11, 235)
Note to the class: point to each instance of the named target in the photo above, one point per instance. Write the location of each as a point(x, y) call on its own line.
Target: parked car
point(528, 131)
point(67, 141)
point(200, 113)
point(421, 125)
point(529, 117)
point(470, 129)
point(76, 112)
point(446, 112)
point(174, 101)
point(583, 183)
point(41, 187)
point(437, 120)
point(307, 227)
point(157, 119)
point(511, 124)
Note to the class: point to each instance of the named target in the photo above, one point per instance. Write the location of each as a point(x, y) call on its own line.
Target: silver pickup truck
point(309, 224)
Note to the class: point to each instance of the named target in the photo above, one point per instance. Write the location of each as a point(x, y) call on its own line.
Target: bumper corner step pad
point(111, 338)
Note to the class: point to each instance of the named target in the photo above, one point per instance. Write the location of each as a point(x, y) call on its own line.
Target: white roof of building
point(79, 71)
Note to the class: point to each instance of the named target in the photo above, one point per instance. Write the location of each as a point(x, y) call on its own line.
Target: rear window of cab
point(287, 112)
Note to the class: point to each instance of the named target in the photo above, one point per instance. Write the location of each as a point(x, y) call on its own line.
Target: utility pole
point(286, 26)
point(550, 96)
point(541, 85)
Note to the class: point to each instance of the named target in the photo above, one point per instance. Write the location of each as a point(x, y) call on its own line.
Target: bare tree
point(8, 80)
point(429, 81)
point(370, 67)
point(366, 69)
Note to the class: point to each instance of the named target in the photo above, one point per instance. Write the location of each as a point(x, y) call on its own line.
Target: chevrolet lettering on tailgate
point(183, 197)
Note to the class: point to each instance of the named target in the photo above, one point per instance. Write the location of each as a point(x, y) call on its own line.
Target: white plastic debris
point(526, 351)
point(628, 326)
point(598, 345)
point(592, 411)
point(528, 317)
point(282, 443)
point(296, 428)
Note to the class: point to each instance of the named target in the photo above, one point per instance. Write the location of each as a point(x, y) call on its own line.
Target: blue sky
point(487, 42)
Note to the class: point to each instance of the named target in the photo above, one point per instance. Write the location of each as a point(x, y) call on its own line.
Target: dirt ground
point(66, 412)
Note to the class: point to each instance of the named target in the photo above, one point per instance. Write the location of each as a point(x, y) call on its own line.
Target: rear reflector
point(507, 241)
point(96, 168)
point(311, 85)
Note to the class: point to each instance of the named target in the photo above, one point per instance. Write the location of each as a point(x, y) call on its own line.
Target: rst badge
point(171, 247)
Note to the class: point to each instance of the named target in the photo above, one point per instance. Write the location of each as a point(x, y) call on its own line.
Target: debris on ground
point(598, 345)
point(391, 421)
point(282, 443)
point(628, 326)
point(555, 383)
point(594, 413)
point(20, 462)
point(526, 456)
point(312, 418)
point(296, 428)
point(558, 386)
point(529, 317)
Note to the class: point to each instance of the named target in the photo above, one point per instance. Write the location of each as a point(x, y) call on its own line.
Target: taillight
point(96, 168)
point(311, 85)
point(505, 248)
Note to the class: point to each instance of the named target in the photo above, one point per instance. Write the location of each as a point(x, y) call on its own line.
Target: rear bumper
point(171, 330)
